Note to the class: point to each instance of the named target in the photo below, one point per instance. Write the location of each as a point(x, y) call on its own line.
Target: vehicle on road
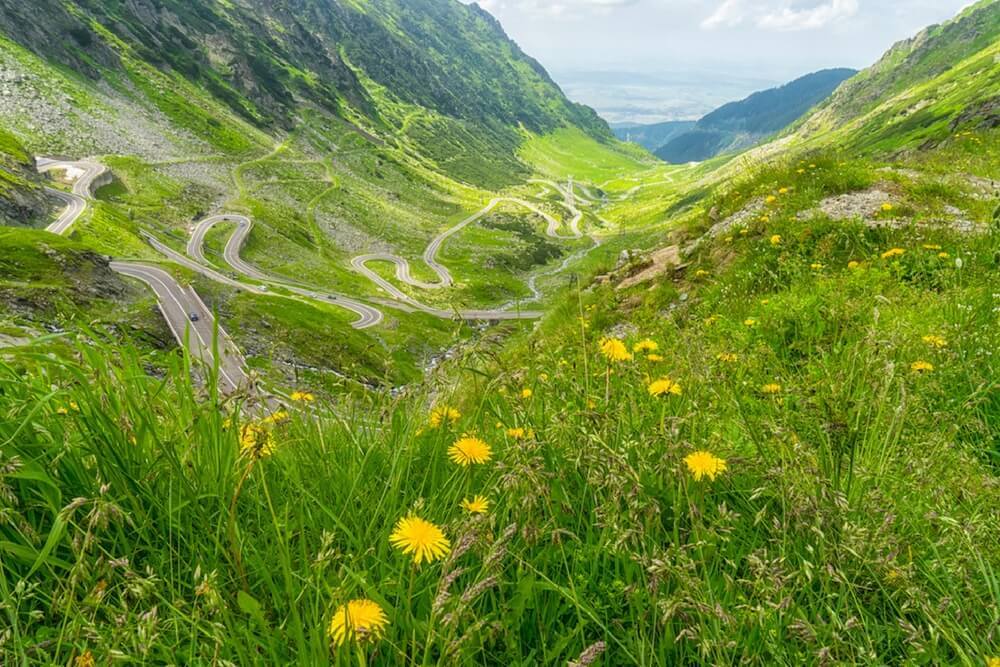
point(193, 317)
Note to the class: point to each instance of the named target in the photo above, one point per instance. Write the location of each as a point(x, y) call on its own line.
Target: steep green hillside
point(22, 202)
point(435, 72)
point(739, 125)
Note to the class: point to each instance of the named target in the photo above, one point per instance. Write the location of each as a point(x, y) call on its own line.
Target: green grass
point(570, 152)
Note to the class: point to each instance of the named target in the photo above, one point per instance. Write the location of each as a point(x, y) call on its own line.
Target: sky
point(718, 48)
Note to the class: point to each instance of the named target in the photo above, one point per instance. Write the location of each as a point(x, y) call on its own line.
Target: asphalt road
point(76, 201)
point(178, 304)
point(368, 316)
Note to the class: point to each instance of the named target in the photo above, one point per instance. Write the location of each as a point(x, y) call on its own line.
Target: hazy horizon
point(733, 47)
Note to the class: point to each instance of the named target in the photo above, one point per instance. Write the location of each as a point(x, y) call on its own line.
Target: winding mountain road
point(84, 174)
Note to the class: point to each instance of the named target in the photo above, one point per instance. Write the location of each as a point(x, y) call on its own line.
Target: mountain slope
point(374, 63)
point(655, 135)
point(738, 125)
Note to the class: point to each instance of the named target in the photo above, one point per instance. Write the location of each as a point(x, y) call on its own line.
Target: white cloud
point(783, 15)
point(555, 8)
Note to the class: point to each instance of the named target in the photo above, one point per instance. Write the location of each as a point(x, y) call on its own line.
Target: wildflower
point(921, 367)
point(654, 357)
point(894, 252)
point(727, 357)
point(468, 450)
point(646, 345)
point(771, 199)
point(812, 166)
point(801, 171)
point(277, 417)
point(527, 393)
point(783, 191)
point(750, 322)
point(931, 246)
point(816, 266)
point(615, 350)
point(256, 441)
point(853, 265)
point(712, 319)
point(302, 397)
point(516, 432)
point(776, 239)
point(66, 410)
point(705, 464)
point(421, 538)
point(943, 255)
point(85, 659)
point(664, 387)
point(887, 207)
point(993, 662)
point(701, 273)
point(361, 620)
point(444, 414)
point(744, 231)
point(935, 341)
point(477, 505)
point(764, 302)
point(544, 377)
point(771, 388)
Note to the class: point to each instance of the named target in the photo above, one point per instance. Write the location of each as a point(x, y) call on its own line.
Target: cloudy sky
point(751, 40)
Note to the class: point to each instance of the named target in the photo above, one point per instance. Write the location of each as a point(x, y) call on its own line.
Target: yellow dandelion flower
point(705, 464)
point(728, 357)
point(776, 239)
point(783, 191)
point(931, 246)
point(750, 322)
point(444, 415)
point(664, 387)
point(921, 367)
point(764, 302)
point(887, 207)
point(476, 505)
point(468, 450)
point(421, 539)
point(256, 441)
point(358, 620)
point(935, 341)
point(654, 357)
point(771, 388)
point(544, 377)
point(771, 199)
point(516, 432)
point(527, 393)
point(893, 252)
point(701, 273)
point(812, 166)
point(614, 350)
point(801, 171)
point(993, 662)
point(853, 265)
point(943, 255)
point(712, 319)
point(816, 266)
point(646, 345)
point(277, 417)
point(85, 659)
point(302, 397)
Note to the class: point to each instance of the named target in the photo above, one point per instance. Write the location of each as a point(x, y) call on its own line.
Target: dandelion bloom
point(646, 345)
point(302, 397)
point(664, 387)
point(935, 341)
point(921, 366)
point(894, 252)
point(361, 620)
point(700, 273)
point(853, 264)
point(468, 450)
point(422, 539)
point(801, 171)
point(278, 417)
point(992, 662)
point(776, 239)
point(476, 505)
point(516, 432)
point(85, 659)
point(816, 266)
point(527, 393)
point(444, 415)
point(931, 246)
point(256, 441)
point(771, 199)
point(728, 357)
point(614, 350)
point(654, 357)
point(705, 464)
point(750, 322)
point(887, 207)
point(943, 255)
point(771, 388)
point(783, 191)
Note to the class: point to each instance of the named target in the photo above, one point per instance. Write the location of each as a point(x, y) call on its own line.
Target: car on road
point(193, 317)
